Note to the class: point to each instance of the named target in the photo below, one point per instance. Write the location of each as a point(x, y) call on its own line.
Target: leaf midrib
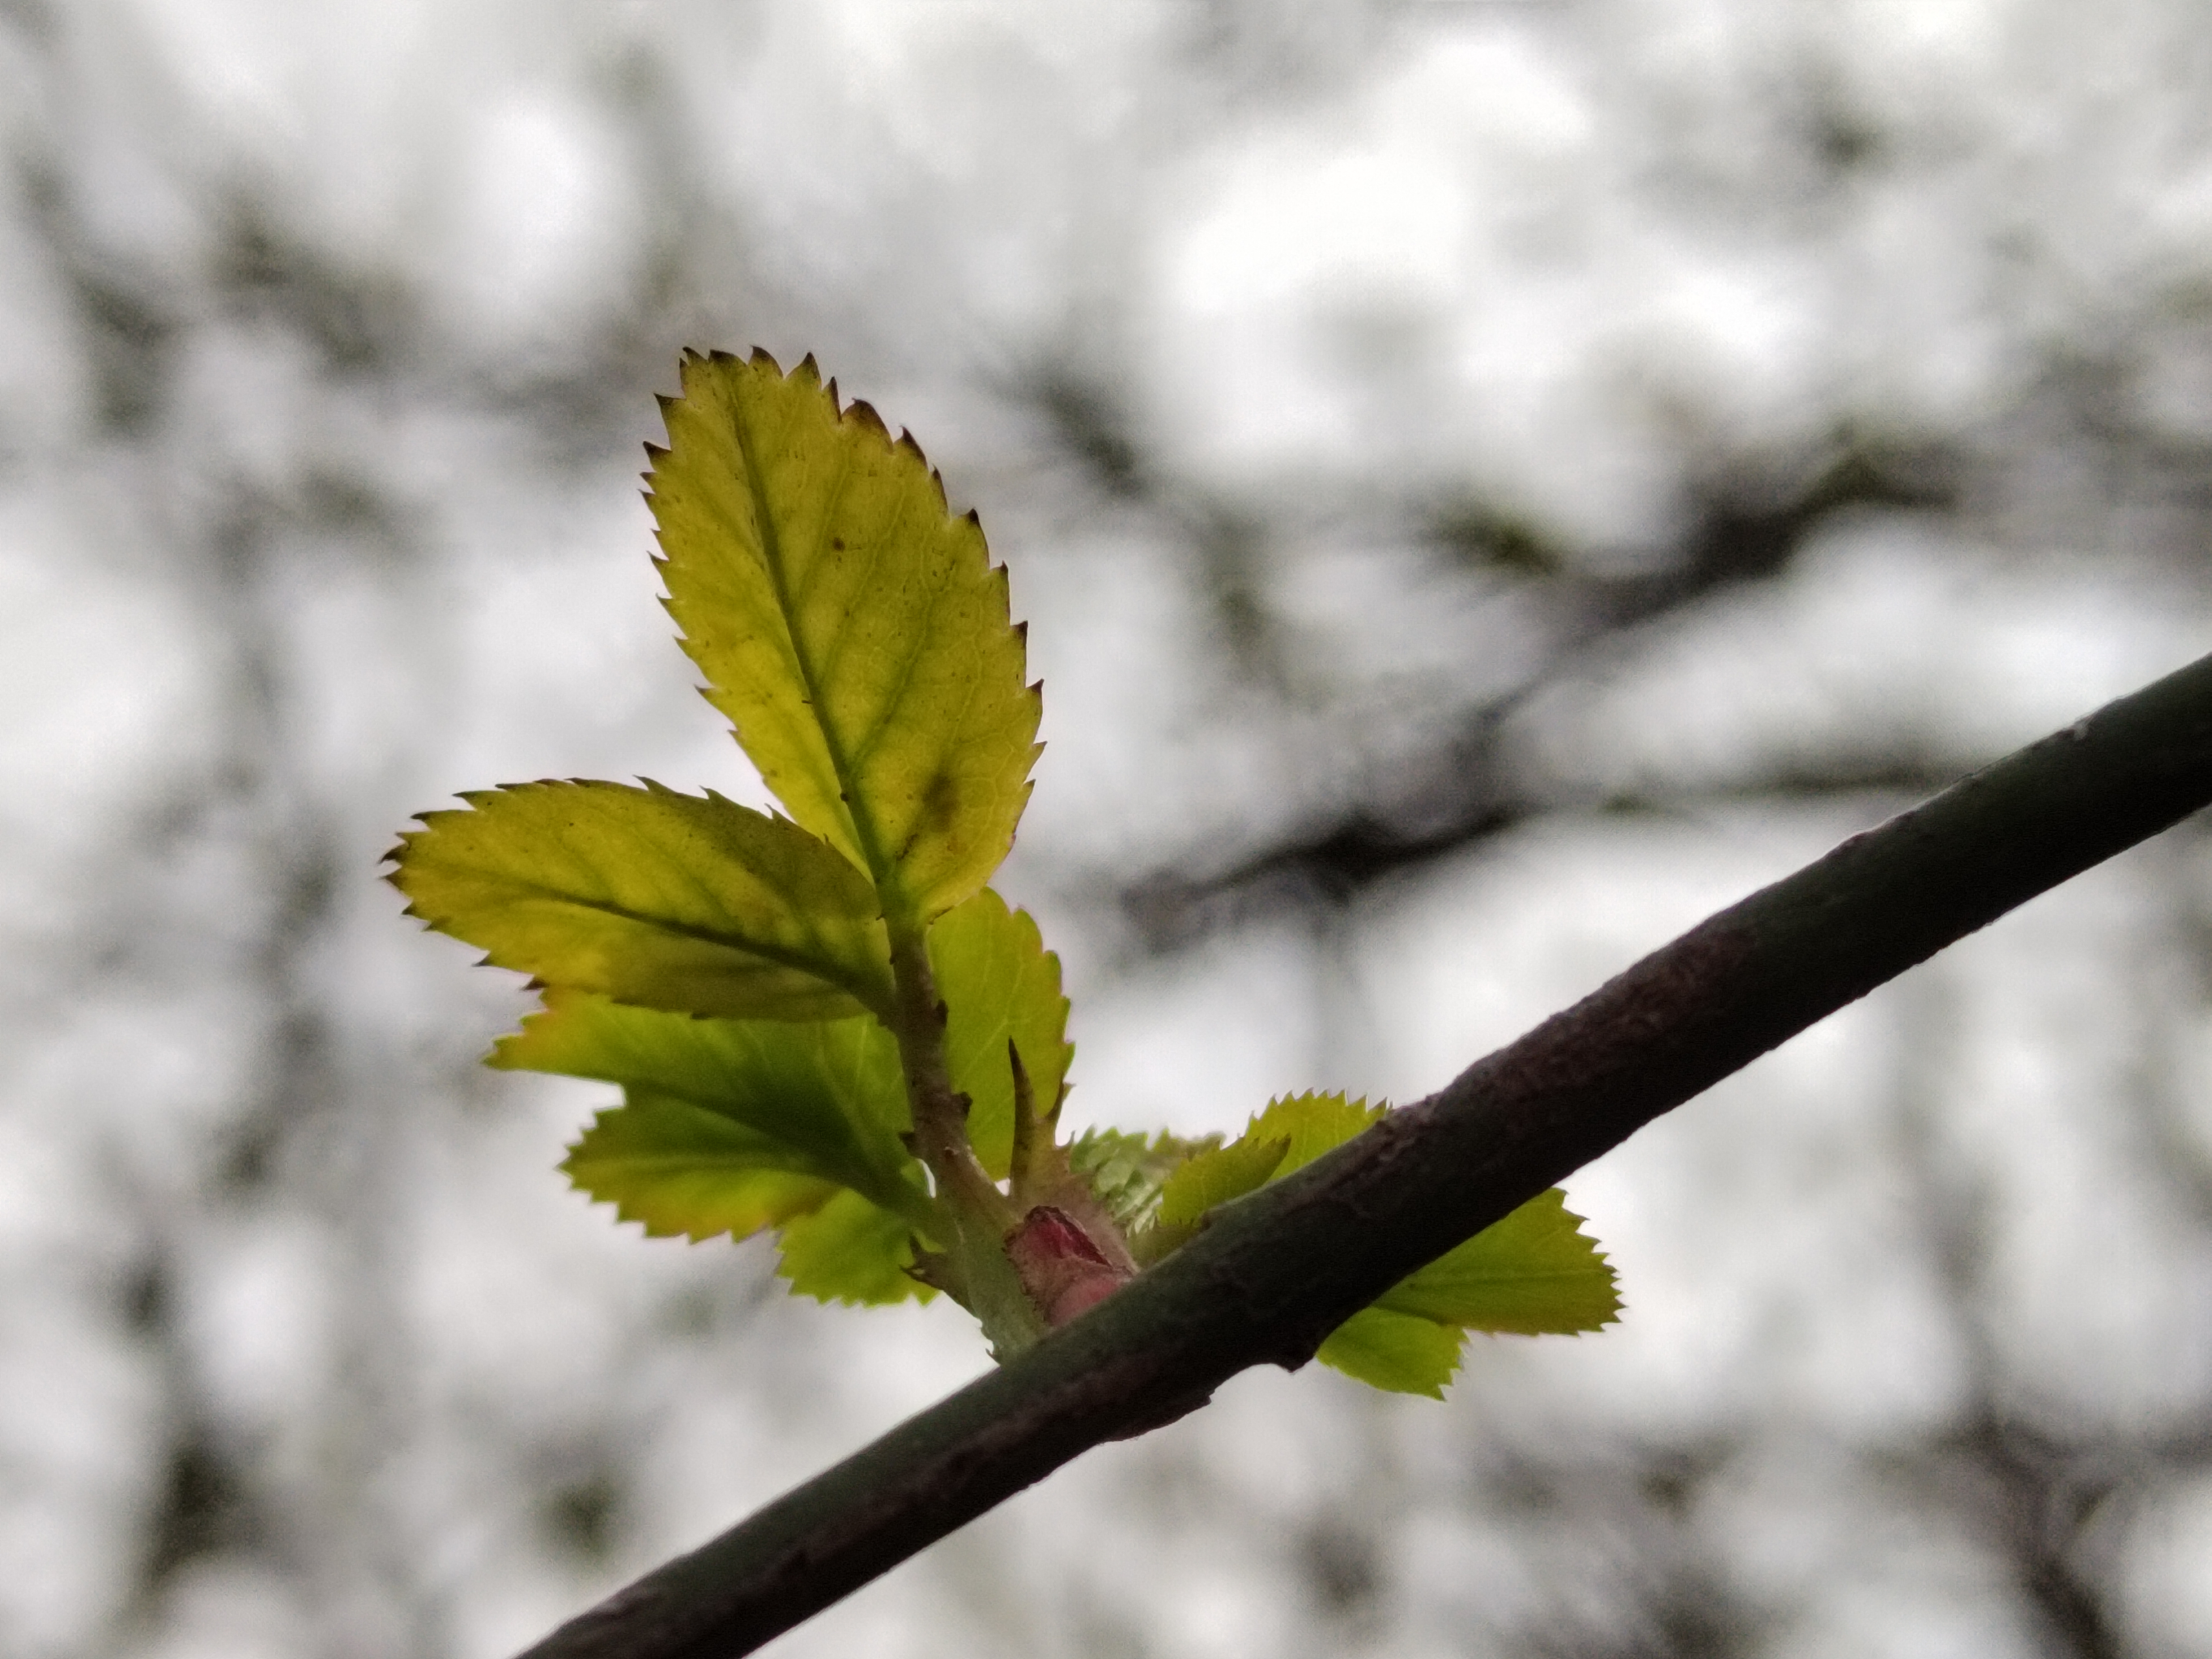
point(780, 955)
point(866, 833)
point(779, 1154)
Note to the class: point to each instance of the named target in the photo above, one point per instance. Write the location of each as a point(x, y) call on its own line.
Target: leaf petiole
point(940, 1112)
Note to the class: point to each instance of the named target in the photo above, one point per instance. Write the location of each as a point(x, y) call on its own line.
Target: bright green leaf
point(1395, 1350)
point(850, 1250)
point(855, 633)
point(683, 1170)
point(1534, 1273)
point(1312, 1124)
point(1217, 1175)
point(1292, 1132)
point(828, 1097)
point(695, 905)
point(1211, 1175)
point(998, 981)
point(1126, 1173)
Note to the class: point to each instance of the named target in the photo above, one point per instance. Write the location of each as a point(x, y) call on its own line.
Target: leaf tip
point(862, 414)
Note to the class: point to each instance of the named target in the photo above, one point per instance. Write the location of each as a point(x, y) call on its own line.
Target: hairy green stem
point(1273, 1274)
point(976, 1270)
point(939, 1112)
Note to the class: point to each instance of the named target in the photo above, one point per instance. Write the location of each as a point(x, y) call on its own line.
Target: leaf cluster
point(823, 1024)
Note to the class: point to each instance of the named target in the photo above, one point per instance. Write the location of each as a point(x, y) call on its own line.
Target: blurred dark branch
point(1746, 524)
point(1274, 1272)
point(203, 1502)
point(1469, 787)
point(263, 815)
point(1635, 1517)
point(2038, 1495)
point(1746, 528)
point(1171, 910)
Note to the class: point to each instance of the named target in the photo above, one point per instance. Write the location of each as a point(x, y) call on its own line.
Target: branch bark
point(1274, 1272)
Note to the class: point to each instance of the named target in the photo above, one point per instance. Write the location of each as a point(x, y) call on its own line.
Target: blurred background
point(1489, 484)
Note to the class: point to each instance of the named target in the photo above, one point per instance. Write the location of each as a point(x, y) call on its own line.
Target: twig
point(1274, 1272)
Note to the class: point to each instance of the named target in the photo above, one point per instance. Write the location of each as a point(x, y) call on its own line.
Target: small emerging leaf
point(1395, 1350)
point(850, 1250)
point(1128, 1173)
point(1292, 1132)
point(668, 901)
point(1532, 1273)
point(854, 632)
point(1312, 1124)
point(683, 1170)
point(1217, 1175)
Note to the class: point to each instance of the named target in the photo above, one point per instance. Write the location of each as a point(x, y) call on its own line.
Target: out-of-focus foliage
point(1490, 484)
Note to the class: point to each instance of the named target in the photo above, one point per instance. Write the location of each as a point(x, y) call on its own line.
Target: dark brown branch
point(1275, 1271)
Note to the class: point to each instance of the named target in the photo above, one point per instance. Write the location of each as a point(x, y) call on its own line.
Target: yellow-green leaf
point(669, 901)
point(824, 1099)
point(850, 1250)
point(1127, 1173)
point(999, 982)
point(1535, 1273)
point(1395, 1350)
point(855, 633)
point(1218, 1175)
point(1312, 1124)
point(1292, 1132)
point(681, 1169)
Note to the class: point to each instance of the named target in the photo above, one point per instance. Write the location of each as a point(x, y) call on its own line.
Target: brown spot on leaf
point(940, 801)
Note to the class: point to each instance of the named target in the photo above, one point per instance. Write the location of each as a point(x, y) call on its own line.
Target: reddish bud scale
point(1059, 1265)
